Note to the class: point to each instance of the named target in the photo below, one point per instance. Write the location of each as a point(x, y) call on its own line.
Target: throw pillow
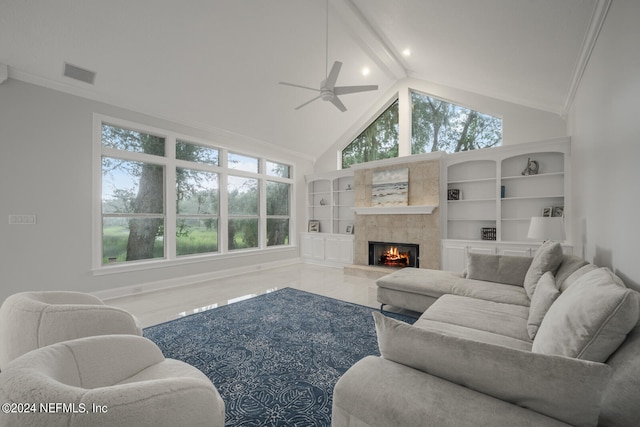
point(590, 319)
point(547, 258)
point(567, 389)
point(546, 293)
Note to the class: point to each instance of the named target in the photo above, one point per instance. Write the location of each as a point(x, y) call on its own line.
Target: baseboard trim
point(140, 288)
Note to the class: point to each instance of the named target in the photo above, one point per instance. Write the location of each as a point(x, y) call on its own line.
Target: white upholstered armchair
point(30, 320)
point(110, 380)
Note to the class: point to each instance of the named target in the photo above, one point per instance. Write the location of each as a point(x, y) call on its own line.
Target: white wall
point(45, 169)
point(604, 122)
point(520, 123)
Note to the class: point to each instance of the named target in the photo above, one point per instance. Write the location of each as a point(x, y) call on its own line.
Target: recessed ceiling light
point(406, 52)
point(365, 71)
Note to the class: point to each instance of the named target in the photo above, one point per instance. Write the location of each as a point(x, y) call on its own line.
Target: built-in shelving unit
point(330, 203)
point(493, 193)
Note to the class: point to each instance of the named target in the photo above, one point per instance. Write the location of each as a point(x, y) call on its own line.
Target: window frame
point(170, 163)
point(405, 131)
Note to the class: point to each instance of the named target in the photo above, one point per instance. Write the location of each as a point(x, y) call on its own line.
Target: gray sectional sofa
point(545, 341)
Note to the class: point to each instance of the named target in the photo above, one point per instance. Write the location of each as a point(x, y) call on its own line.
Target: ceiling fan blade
point(343, 90)
point(335, 101)
point(308, 102)
point(333, 75)
point(300, 86)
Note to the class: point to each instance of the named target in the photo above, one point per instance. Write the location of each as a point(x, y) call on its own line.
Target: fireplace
point(399, 255)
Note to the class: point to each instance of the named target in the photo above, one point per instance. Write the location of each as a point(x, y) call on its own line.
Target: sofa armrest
point(65, 322)
point(106, 360)
point(563, 388)
point(498, 268)
point(376, 392)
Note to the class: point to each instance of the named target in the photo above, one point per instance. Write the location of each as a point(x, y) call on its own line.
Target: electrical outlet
point(24, 219)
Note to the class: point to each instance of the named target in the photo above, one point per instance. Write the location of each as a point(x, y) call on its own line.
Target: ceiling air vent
point(78, 73)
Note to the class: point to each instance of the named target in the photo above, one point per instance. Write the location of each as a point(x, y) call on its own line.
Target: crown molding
point(88, 93)
point(591, 37)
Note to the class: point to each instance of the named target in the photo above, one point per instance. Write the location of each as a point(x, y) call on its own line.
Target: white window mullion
point(262, 210)
point(170, 202)
point(223, 223)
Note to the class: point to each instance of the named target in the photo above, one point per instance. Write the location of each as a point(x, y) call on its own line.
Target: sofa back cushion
point(498, 268)
point(568, 390)
point(575, 276)
point(590, 319)
point(546, 293)
point(569, 264)
point(547, 258)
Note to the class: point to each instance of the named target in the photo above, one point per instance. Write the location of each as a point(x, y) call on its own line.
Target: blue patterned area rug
point(274, 358)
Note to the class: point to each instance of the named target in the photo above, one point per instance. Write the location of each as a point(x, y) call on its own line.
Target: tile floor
point(160, 306)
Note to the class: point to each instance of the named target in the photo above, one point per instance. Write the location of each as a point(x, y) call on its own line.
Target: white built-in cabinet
point(493, 193)
point(330, 201)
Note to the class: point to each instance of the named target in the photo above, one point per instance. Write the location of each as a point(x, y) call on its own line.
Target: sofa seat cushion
point(498, 318)
point(479, 335)
point(491, 291)
point(433, 283)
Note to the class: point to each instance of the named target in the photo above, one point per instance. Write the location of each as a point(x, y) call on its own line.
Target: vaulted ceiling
point(216, 64)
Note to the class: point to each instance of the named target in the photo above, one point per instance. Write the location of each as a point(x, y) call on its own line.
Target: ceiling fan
point(328, 89)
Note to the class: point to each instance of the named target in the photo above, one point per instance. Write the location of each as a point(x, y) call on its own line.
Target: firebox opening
point(390, 254)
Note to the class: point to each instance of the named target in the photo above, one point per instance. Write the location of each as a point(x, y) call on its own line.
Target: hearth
point(389, 254)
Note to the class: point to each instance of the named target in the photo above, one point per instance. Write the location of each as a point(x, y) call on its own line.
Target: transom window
point(161, 197)
point(378, 141)
point(436, 125)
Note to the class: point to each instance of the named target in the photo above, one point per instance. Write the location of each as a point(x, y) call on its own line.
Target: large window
point(133, 205)
point(437, 125)
point(161, 197)
point(378, 141)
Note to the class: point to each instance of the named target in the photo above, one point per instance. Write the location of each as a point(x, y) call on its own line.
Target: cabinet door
point(346, 251)
point(317, 248)
point(526, 252)
point(454, 258)
point(481, 250)
point(306, 246)
point(332, 249)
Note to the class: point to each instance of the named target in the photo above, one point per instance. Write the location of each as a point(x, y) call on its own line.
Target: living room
point(48, 122)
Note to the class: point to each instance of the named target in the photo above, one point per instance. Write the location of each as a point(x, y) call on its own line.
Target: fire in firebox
point(393, 257)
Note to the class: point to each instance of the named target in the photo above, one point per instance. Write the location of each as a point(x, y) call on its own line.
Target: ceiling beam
point(369, 39)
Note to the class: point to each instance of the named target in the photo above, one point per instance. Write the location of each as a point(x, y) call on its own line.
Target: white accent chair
point(30, 320)
point(109, 380)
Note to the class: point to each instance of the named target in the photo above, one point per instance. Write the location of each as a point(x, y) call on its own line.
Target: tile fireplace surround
point(421, 229)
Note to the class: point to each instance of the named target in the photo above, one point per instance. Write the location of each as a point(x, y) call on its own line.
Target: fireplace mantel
point(395, 210)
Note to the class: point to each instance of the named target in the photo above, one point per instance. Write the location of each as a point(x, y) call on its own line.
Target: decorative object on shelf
point(390, 187)
point(453, 194)
point(546, 228)
point(558, 211)
point(532, 167)
point(488, 233)
point(503, 191)
point(546, 211)
point(349, 229)
point(322, 202)
point(349, 187)
point(314, 226)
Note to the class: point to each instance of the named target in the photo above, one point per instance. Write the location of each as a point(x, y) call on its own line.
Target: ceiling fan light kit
point(328, 89)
